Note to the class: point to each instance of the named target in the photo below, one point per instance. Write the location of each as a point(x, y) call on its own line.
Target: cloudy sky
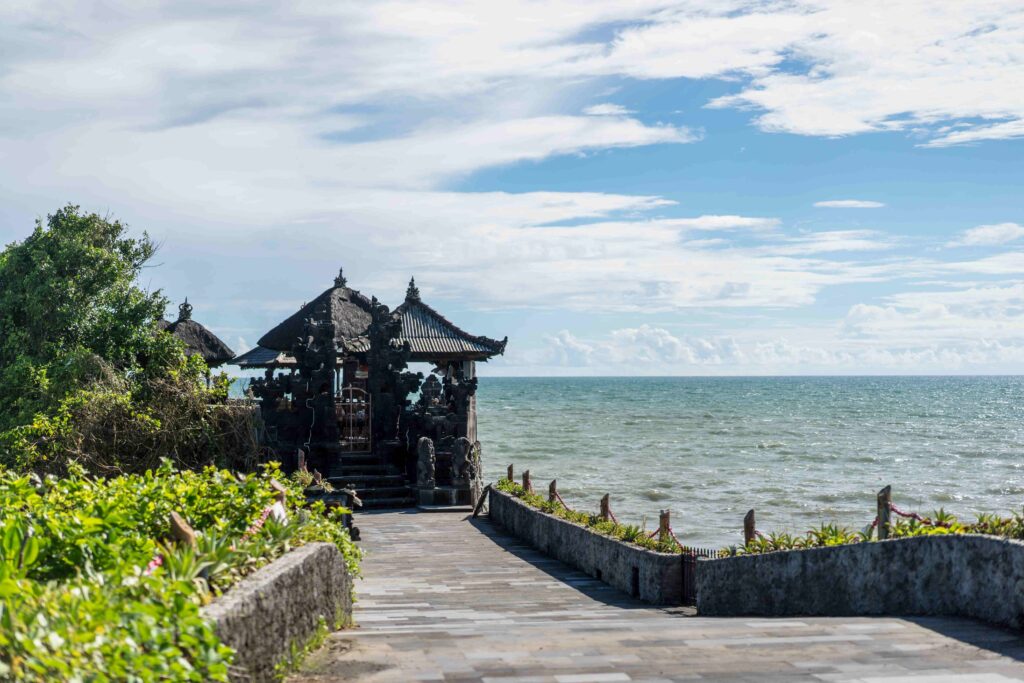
point(641, 187)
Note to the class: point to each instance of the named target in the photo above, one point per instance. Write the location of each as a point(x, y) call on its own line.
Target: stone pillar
point(469, 372)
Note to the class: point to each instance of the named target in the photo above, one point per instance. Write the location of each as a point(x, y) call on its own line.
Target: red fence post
point(527, 484)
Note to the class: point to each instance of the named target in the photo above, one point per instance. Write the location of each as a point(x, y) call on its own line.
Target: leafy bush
point(623, 532)
point(940, 523)
point(86, 375)
point(76, 601)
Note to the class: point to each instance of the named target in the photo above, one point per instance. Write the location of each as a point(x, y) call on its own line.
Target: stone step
point(358, 470)
point(367, 480)
point(393, 502)
point(378, 492)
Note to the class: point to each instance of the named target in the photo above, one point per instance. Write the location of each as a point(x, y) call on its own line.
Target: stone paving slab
point(448, 598)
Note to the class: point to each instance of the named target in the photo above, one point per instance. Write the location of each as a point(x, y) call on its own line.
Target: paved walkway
point(446, 598)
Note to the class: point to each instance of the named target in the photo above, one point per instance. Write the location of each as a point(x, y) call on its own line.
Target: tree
point(85, 372)
point(71, 286)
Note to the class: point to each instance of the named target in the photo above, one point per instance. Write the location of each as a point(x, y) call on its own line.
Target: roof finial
point(413, 292)
point(340, 281)
point(185, 311)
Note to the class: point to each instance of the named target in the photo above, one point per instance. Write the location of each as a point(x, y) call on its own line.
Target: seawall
point(955, 575)
point(653, 577)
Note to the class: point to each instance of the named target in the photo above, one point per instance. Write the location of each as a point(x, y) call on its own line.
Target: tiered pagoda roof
point(349, 309)
point(434, 337)
point(431, 336)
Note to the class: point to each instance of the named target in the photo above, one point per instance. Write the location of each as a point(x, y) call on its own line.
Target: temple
point(197, 339)
point(337, 396)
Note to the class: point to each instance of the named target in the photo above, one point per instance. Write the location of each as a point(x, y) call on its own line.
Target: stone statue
point(426, 462)
point(464, 464)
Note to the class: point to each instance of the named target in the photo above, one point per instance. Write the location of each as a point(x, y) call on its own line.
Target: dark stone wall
point(281, 605)
point(659, 576)
point(964, 575)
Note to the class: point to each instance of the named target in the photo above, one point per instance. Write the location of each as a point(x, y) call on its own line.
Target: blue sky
point(621, 188)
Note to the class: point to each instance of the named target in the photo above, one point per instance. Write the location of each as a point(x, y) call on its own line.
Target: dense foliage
point(624, 532)
point(76, 602)
point(85, 374)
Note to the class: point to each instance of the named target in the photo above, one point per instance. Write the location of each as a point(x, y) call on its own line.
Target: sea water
point(799, 451)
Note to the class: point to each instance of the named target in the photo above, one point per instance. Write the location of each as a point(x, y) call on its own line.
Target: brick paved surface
point(445, 598)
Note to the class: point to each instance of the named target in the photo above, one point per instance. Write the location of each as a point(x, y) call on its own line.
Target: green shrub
point(939, 524)
point(623, 532)
point(76, 602)
point(86, 375)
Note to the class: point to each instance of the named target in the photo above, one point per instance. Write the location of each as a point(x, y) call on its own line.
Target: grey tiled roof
point(262, 357)
point(432, 336)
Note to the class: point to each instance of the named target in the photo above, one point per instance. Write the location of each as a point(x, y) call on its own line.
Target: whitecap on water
point(655, 494)
point(771, 444)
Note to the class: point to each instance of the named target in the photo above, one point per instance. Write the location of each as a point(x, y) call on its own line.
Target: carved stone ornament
point(426, 463)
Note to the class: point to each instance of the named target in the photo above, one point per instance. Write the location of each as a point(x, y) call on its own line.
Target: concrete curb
point(278, 609)
point(654, 577)
point(955, 575)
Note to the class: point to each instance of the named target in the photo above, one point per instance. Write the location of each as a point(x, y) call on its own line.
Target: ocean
point(799, 450)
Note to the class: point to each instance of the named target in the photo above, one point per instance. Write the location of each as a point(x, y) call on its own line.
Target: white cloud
point(831, 241)
point(716, 222)
point(607, 109)
point(989, 235)
point(875, 66)
point(849, 204)
point(650, 350)
point(336, 132)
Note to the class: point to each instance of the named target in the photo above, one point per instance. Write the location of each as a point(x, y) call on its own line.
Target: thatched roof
point(433, 337)
point(349, 310)
point(198, 339)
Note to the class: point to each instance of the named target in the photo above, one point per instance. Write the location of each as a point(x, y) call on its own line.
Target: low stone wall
point(963, 575)
point(281, 606)
point(654, 577)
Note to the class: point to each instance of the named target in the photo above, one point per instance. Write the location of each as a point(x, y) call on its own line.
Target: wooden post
point(480, 502)
point(511, 476)
point(280, 490)
point(606, 508)
point(749, 528)
point(552, 491)
point(884, 512)
point(181, 531)
point(663, 525)
point(527, 484)
point(302, 460)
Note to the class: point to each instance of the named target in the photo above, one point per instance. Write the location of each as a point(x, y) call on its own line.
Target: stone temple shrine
point(337, 397)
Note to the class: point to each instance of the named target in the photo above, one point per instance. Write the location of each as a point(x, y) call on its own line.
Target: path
point(446, 598)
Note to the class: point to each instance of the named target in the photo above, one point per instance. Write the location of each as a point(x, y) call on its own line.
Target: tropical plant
point(86, 375)
point(628, 533)
point(81, 597)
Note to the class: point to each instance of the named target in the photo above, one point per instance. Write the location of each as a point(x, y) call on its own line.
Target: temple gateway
point(336, 397)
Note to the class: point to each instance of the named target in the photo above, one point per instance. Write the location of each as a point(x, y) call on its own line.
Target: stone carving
point(427, 461)
point(389, 383)
point(464, 465)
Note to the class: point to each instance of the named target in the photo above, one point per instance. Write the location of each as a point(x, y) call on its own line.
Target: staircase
point(376, 484)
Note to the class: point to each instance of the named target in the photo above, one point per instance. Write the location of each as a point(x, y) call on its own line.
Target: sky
point(621, 188)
